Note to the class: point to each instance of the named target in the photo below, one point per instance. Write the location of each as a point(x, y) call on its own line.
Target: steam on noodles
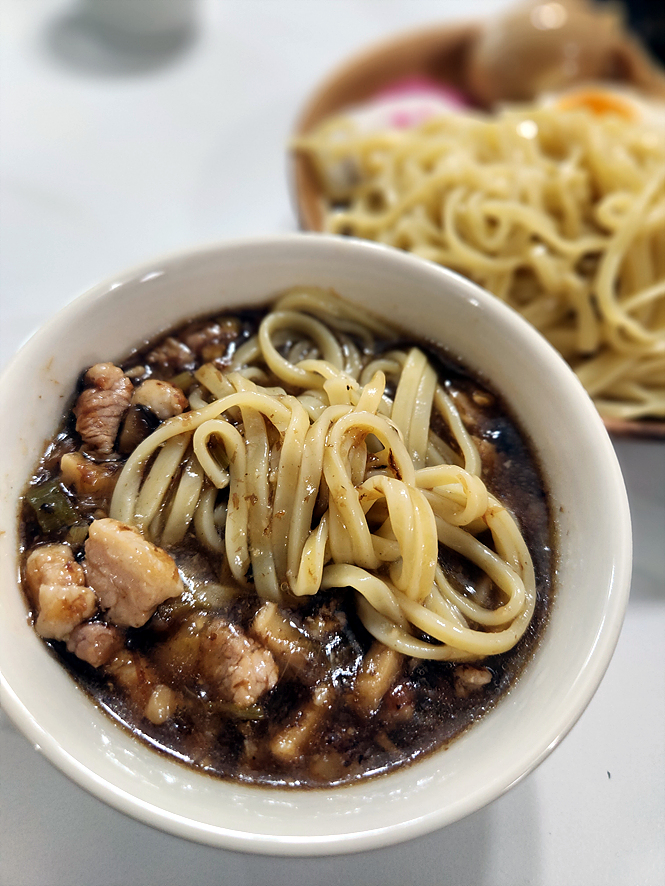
point(560, 213)
point(392, 495)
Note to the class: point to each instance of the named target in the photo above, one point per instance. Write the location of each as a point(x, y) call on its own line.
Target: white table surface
point(108, 158)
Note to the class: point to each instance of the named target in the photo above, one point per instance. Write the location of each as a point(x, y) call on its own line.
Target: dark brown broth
point(420, 712)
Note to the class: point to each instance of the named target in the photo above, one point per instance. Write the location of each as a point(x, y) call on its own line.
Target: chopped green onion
point(77, 534)
point(255, 712)
point(51, 506)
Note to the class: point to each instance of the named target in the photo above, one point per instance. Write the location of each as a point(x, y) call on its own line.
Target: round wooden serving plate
point(440, 54)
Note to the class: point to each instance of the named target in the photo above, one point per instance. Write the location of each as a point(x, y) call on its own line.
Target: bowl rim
point(598, 659)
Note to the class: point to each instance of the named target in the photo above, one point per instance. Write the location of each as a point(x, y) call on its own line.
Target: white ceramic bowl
point(587, 495)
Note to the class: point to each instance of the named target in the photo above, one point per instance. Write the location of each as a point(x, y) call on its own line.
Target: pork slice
point(130, 575)
point(52, 564)
point(160, 397)
point(62, 608)
point(95, 642)
point(56, 585)
point(469, 679)
point(90, 480)
point(171, 356)
point(239, 668)
point(101, 406)
point(212, 340)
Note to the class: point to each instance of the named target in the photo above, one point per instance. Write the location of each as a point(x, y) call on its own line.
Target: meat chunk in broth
point(163, 399)
point(130, 575)
point(92, 481)
point(238, 667)
point(171, 355)
point(56, 583)
point(95, 642)
point(101, 406)
point(219, 658)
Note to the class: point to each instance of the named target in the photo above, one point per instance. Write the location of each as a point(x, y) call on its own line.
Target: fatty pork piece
point(101, 406)
point(171, 356)
point(469, 679)
point(91, 481)
point(56, 585)
point(153, 398)
point(231, 666)
point(163, 399)
point(212, 341)
point(130, 575)
point(95, 642)
point(133, 674)
point(238, 666)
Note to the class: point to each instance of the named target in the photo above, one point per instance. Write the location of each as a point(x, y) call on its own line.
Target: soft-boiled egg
point(601, 99)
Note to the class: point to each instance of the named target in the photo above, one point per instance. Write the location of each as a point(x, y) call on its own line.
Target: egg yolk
point(598, 103)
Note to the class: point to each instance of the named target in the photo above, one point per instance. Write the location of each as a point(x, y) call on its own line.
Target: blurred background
point(646, 19)
point(130, 128)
